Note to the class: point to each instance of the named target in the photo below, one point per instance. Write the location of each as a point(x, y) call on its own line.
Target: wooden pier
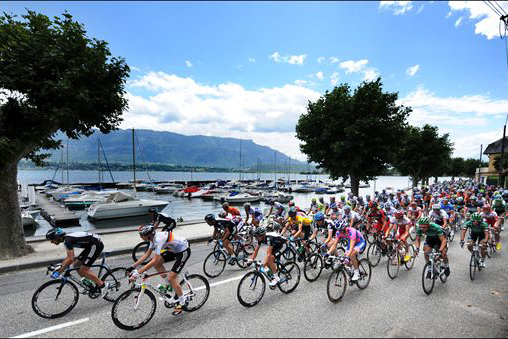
point(55, 214)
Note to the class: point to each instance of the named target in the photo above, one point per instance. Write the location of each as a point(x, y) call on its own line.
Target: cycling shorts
point(359, 245)
point(378, 226)
point(477, 237)
point(433, 242)
point(306, 232)
point(179, 258)
point(91, 253)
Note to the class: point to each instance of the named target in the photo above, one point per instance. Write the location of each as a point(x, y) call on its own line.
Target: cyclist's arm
point(300, 229)
point(464, 230)
point(143, 258)
point(226, 234)
point(67, 261)
point(151, 263)
point(443, 243)
point(334, 246)
point(255, 253)
point(352, 242)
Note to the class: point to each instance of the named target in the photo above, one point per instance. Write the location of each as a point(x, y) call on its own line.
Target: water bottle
point(300, 249)
point(87, 282)
point(269, 273)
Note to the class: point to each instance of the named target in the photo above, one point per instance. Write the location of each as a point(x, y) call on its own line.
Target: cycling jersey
point(438, 217)
point(228, 224)
point(90, 243)
point(256, 213)
point(169, 223)
point(305, 221)
point(233, 211)
point(169, 241)
point(476, 228)
point(447, 208)
point(401, 223)
point(352, 234)
point(499, 206)
point(280, 209)
point(376, 214)
point(434, 231)
point(490, 218)
point(276, 240)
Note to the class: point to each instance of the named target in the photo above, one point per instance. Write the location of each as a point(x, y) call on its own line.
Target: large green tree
point(423, 153)
point(352, 134)
point(52, 77)
point(471, 165)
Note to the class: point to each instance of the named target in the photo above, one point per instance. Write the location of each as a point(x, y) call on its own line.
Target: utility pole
point(501, 162)
point(480, 165)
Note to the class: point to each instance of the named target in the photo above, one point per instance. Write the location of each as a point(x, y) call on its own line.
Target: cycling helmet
point(222, 214)
point(360, 198)
point(271, 202)
point(147, 229)
point(436, 207)
point(259, 232)
point(319, 216)
point(476, 217)
point(347, 208)
point(314, 200)
point(322, 200)
point(225, 204)
point(54, 233)
point(460, 199)
point(246, 206)
point(423, 221)
point(153, 210)
point(480, 195)
point(472, 198)
point(343, 197)
point(399, 214)
point(209, 218)
point(340, 225)
point(292, 212)
point(332, 198)
point(291, 203)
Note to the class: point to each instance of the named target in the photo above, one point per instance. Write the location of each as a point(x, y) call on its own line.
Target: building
point(493, 151)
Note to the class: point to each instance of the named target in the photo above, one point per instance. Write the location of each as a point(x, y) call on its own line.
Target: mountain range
point(173, 149)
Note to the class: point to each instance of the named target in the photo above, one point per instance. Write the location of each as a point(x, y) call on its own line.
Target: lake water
point(188, 209)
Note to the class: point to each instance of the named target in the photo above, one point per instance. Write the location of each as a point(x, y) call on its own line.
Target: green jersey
point(434, 231)
point(476, 229)
point(498, 206)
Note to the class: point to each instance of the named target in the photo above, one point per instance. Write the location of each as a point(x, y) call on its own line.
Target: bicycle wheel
point(313, 267)
point(313, 247)
point(133, 309)
point(214, 264)
point(411, 252)
point(472, 266)
point(393, 263)
point(251, 289)
point(412, 233)
point(452, 233)
point(119, 282)
point(336, 287)
point(489, 249)
point(196, 290)
point(365, 273)
point(288, 255)
point(54, 299)
point(289, 276)
point(241, 255)
point(139, 250)
point(374, 254)
point(427, 283)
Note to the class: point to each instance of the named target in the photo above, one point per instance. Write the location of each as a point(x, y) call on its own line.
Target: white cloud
point(487, 21)
point(397, 7)
point(320, 75)
point(458, 22)
point(320, 59)
point(181, 105)
point(370, 74)
point(291, 59)
point(252, 60)
point(353, 66)
point(334, 60)
point(188, 63)
point(411, 71)
point(420, 9)
point(334, 78)
point(468, 145)
point(134, 68)
point(301, 82)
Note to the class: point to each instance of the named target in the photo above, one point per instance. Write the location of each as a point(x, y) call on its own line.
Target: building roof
point(495, 147)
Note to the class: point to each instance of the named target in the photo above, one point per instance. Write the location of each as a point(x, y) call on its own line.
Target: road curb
point(47, 262)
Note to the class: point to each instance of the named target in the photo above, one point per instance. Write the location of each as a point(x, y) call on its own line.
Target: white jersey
point(170, 241)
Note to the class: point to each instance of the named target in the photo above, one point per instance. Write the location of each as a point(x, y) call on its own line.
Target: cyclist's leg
point(87, 258)
point(180, 261)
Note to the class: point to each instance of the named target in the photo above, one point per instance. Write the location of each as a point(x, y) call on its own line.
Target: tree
point(471, 165)
point(497, 162)
point(52, 77)
point(423, 153)
point(457, 167)
point(352, 135)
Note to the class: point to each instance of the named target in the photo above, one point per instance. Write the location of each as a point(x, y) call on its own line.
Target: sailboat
point(120, 204)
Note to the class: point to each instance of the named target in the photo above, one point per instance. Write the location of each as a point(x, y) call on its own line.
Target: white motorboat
point(120, 205)
point(167, 188)
point(302, 188)
point(87, 198)
point(242, 198)
point(64, 192)
point(28, 218)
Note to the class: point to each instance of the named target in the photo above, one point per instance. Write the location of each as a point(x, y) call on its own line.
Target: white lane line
point(52, 328)
point(221, 282)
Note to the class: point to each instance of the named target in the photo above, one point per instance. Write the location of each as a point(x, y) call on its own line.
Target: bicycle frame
point(435, 261)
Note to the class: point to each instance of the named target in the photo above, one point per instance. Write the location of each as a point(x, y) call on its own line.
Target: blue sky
point(247, 69)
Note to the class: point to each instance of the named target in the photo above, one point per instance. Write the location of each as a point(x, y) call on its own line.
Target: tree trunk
point(435, 180)
point(12, 239)
point(415, 181)
point(355, 184)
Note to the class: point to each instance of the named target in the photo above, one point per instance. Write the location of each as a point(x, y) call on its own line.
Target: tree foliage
point(423, 153)
point(52, 77)
point(352, 134)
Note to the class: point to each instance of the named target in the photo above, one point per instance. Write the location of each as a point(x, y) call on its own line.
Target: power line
point(499, 6)
point(493, 8)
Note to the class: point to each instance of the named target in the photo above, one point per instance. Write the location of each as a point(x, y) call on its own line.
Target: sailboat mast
point(134, 160)
point(275, 182)
point(67, 149)
point(99, 160)
point(240, 160)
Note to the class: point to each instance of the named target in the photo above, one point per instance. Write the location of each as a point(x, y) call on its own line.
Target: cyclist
point(492, 219)
point(92, 247)
point(230, 210)
point(399, 225)
point(449, 209)
point(471, 207)
point(435, 238)
point(479, 233)
point(318, 223)
point(167, 247)
point(157, 218)
point(280, 210)
point(301, 227)
point(255, 213)
point(414, 212)
point(298, 209)
point(275, 243)
point(375, 217)
point(438, 216)
point(350, 216)
point(356, 244)
point(499, 206)
point(229, 229)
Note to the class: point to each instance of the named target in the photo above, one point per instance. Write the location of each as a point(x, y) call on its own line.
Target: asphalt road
point(387, 308)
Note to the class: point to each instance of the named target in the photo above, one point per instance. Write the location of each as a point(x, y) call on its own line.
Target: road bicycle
point(474, 262)
point(135, 307)
point(57, 297)
point(491, 247)
point(396, 258)
point(215, 262)
point(315, 263)
point(377, 249)
point(433, 269)
point(337, 282)
point(252, 286)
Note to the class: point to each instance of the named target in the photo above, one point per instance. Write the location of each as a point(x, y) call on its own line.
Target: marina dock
point(55, 214)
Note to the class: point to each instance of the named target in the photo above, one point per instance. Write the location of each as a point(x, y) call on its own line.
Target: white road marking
point(52, 328)
point(221, 282)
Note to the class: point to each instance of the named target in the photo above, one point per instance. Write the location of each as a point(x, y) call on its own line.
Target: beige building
point(493, 151)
